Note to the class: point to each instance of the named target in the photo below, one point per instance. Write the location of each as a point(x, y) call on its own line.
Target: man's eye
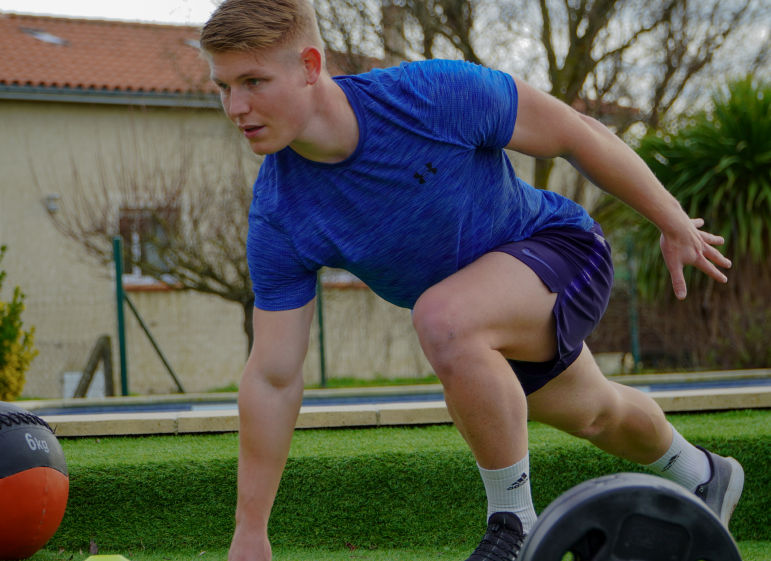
point(254, 81)
point(223, 87)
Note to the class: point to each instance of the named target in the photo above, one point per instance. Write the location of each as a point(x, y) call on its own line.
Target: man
point(399, 176)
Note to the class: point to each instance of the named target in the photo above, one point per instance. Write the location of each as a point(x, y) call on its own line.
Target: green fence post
point(320, 309)
point(155, 345)
point(117, 250)
point(634, 320)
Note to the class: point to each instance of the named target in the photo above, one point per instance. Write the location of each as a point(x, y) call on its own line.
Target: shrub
point(16, 345)
point(719, 167)
point(717, 163)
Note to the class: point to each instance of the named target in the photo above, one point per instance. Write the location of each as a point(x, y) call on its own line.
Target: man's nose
point(238, 103)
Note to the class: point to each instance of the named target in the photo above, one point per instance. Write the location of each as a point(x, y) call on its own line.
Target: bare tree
point(633, 61)
point(392, 31)
point(187, 215)
point(621, 61)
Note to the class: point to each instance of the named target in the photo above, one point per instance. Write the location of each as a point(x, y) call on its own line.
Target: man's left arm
point(548, 128)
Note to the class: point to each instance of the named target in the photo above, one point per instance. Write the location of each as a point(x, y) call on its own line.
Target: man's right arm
point(548, 128)
point(269, 402)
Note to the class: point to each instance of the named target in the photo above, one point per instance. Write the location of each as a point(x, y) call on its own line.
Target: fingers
point(709, 251)
point(714, 255)
point(704, 258)
point(706, 266)
point(706, 236)
point(678, 282)
point(712, 239)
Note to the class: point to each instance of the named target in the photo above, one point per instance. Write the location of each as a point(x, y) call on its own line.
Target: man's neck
point(332, 134)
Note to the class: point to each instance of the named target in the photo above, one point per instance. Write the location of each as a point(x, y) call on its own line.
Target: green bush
point(717, 164)
point(16, 345)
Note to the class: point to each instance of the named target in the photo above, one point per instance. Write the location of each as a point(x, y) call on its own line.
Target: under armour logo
point(420, 176)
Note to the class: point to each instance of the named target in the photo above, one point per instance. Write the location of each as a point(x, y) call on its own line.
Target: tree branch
point(546, 41)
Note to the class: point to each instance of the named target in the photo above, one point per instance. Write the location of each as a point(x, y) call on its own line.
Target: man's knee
point(589, 421)
point(443, 329)
point(276, 376)
point(592, 426)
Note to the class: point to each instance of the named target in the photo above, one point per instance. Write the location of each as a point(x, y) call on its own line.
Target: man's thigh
point(497, 302)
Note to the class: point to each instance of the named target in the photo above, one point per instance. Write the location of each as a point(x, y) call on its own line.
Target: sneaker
point(724, 488)
point(503, 539)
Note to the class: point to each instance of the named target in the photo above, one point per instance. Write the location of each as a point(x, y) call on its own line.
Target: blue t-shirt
point(427, 191)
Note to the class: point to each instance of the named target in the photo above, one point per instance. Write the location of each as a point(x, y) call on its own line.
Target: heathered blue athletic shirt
point(427, 191)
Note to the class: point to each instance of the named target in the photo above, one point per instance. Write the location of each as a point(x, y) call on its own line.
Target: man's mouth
point(251, 130)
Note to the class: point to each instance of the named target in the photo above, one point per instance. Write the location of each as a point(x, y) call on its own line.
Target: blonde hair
point(246, 25)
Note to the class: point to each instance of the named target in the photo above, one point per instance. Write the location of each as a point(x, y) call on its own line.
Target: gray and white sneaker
point(724, 488)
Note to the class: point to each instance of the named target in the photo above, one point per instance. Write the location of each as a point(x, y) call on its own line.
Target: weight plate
point(629, 517)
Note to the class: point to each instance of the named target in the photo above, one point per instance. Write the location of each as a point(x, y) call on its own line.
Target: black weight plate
point(629, 517)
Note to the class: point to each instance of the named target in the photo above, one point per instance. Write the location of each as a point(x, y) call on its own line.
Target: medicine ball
point(34, 483)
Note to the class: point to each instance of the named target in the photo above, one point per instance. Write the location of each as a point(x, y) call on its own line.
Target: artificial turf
point(750, 551)
point(280, 554)
point(378, 488)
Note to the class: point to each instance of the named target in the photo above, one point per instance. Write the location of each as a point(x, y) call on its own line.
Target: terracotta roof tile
point(115, 56)
point(112, 55)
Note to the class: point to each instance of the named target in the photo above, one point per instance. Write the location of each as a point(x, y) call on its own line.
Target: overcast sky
point(167, 11)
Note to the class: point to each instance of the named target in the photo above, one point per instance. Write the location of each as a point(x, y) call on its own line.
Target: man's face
point(265, 94)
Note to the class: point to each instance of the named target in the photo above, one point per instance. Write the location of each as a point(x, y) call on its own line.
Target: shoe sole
point(733, 492)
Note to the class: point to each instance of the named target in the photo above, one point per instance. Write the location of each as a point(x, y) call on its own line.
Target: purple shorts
point(576, 265)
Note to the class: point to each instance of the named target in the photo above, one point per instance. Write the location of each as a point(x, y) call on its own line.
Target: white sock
point(508, 490)
point(683, 463)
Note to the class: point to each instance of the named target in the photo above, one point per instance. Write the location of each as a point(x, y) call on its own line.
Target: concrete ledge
point(417, 413)
point(387, 414)
point(714, 399)
point(685, 377)
point(207, 421)
point(317, 416)
point(187, 422)
point(114, 424)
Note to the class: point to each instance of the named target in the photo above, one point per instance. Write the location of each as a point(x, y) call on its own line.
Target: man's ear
point(311, 59)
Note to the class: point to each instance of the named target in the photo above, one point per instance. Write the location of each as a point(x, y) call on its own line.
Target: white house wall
point(70, 299)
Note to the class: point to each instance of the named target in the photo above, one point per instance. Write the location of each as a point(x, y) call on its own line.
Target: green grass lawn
point(279, 554)
point(124, 451)
point(751, 551)
point(178, 493)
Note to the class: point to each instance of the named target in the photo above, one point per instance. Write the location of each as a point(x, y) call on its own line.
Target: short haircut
point(248, 25)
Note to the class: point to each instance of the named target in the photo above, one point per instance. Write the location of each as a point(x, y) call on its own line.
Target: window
point(145, 231)
point(42, 35)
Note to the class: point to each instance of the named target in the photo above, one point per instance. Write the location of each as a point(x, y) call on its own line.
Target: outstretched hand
point(690, 246)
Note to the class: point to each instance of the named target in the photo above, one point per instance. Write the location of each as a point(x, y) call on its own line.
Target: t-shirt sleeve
point(280, 279)
point(464, 102)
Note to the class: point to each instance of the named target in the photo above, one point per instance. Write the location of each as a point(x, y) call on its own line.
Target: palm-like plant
point(718, 165)
point(719, 168)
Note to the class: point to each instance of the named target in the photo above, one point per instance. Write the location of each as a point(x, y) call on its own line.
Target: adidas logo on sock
point(671, 462)
point(519, 482)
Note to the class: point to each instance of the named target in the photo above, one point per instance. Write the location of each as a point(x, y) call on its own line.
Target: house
point(72, 91)
point(102, 98)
